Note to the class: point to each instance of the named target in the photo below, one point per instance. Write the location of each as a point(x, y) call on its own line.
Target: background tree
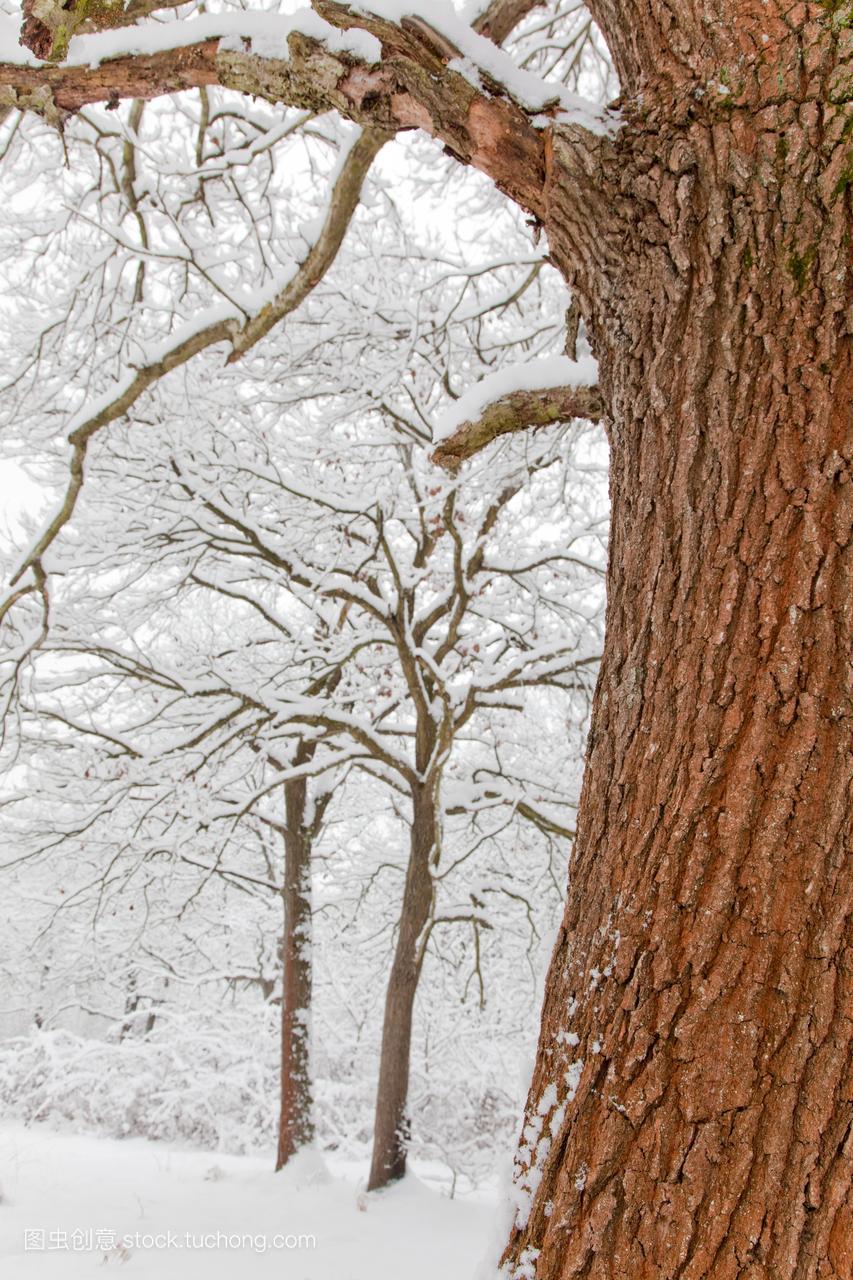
point(402, 633)
point(279, 634)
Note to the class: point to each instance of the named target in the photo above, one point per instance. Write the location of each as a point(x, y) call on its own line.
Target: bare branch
point(545, 824)
point(342, 205)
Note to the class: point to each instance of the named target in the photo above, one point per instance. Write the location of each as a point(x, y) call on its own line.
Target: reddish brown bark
point(499, 19)
point(150, 76)
point(691, 1112)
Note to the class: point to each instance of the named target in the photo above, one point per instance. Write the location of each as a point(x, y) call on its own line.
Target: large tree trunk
point(691, 1111)
point(296, 1124)
point(390, 1128)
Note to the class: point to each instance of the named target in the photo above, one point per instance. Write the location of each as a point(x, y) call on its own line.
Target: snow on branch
point(385, 66)
point(462, 48)
point(219, 324)
point(352, 171)
point(361, 32)
point(500, 18)
point(53, 39)
point(538, 393)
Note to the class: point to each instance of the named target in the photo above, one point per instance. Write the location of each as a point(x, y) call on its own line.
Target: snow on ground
point(188, 1215)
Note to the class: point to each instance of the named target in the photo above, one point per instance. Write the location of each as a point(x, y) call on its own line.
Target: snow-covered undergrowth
point(71, 1203)
point(212, 1083)
point(211, 1097)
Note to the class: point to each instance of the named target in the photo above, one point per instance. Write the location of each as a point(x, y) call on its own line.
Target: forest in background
point(273, 613)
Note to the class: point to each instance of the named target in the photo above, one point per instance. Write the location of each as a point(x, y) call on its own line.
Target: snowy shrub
point(185, 1082)
point(212, 1082)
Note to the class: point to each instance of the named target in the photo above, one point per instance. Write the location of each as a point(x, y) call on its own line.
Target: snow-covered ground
point(68, 1203)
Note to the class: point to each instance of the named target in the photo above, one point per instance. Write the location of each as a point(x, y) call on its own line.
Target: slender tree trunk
point(691, 1111)
point(131, 1004)
point(296, 1125)
point(151, 1020)
point(389, 1136)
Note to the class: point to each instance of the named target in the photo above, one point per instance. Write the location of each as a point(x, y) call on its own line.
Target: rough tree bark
point(691, 1112)
point(518, 411)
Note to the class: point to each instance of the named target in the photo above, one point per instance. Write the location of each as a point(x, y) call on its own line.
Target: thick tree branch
point(67, 88)
point(500, 19)
point(411, 87)
point(49, 31)
point(370, 69)
point(518, 411)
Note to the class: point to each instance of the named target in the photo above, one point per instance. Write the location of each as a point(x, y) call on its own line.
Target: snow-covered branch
point(220, 324)
point(385, 67)
point(537, 394)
